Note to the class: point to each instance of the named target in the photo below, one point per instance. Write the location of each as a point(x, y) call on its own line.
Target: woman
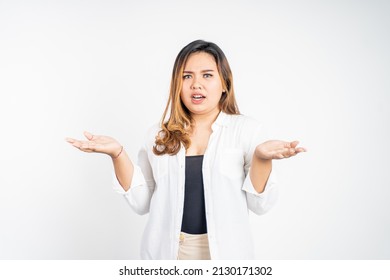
point(201, 169)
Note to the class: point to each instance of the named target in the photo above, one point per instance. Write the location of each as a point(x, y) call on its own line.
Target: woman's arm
point(123, 169)
point(259, 173)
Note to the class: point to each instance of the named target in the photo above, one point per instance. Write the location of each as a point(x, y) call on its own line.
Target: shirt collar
point(222, 119)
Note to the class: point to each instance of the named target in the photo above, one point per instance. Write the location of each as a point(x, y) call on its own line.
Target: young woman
point(201, 168)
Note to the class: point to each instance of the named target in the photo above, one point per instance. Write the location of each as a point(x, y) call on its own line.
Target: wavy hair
point(175, 130)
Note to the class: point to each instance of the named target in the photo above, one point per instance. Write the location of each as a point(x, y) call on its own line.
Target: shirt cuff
point(137, 180)
point(249, 188)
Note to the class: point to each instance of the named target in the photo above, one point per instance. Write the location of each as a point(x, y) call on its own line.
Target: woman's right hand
point(97, 144)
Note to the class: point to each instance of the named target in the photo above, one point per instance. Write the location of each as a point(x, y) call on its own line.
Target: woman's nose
point(196, 84)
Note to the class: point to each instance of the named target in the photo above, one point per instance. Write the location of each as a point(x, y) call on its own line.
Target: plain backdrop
point(316, 71)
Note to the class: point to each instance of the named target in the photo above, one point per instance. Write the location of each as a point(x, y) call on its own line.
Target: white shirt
point(157, 188)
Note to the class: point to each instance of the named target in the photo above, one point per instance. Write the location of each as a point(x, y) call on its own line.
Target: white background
point(316, 71)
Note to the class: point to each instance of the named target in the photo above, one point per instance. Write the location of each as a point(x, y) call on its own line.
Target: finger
point(277, 154)
point(88, 146)
point(88, 135)
point(70, 140)
point(286, 145)
point(293, 144)
point(280, 156)
point(76, 144)
point(80, 144)
point(85, 150)
point(296, 151)
point(288, 153)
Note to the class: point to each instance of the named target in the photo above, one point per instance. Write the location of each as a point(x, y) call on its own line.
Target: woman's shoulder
point(151, 134)
point(154, 129)
point(244, 122)
point(247, 130)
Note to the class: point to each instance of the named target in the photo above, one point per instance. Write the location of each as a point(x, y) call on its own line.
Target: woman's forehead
point(200, 61)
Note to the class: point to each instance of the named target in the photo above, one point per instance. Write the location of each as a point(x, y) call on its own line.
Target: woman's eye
point(207, 75)
point(186, 76)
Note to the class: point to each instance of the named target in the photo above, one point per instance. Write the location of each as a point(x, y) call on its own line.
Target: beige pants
point(193, 247)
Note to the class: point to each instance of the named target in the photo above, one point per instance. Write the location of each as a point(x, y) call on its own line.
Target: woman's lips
point(197, 98)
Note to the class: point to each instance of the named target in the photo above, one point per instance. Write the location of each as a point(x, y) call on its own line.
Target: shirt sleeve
point(259, 203)
point(142, 185)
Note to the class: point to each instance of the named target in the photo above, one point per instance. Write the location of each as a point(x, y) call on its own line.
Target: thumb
point(294, 144)
point(88, 135)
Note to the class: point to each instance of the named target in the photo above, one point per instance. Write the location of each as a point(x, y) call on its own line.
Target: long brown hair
point(175, 130)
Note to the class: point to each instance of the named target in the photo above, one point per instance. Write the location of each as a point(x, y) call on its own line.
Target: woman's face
point(202, 86)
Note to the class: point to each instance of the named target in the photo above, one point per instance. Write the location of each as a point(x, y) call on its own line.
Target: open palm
point(277, 149)
point(97, 144)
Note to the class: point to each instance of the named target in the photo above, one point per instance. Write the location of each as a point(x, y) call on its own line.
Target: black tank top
point(194, 215)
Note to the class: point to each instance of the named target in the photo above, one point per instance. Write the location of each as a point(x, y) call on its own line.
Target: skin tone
point(200, 78)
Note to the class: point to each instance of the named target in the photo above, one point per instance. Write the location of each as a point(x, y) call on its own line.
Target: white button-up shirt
point(157, 188)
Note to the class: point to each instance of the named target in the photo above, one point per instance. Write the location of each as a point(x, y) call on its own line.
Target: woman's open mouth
point(197, 98)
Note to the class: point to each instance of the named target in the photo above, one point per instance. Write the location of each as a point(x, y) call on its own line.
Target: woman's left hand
point(277, 149)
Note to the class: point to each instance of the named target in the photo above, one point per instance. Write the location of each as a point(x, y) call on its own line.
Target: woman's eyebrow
point(191, 72)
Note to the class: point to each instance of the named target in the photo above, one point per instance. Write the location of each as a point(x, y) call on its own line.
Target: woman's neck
point(205, 120)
